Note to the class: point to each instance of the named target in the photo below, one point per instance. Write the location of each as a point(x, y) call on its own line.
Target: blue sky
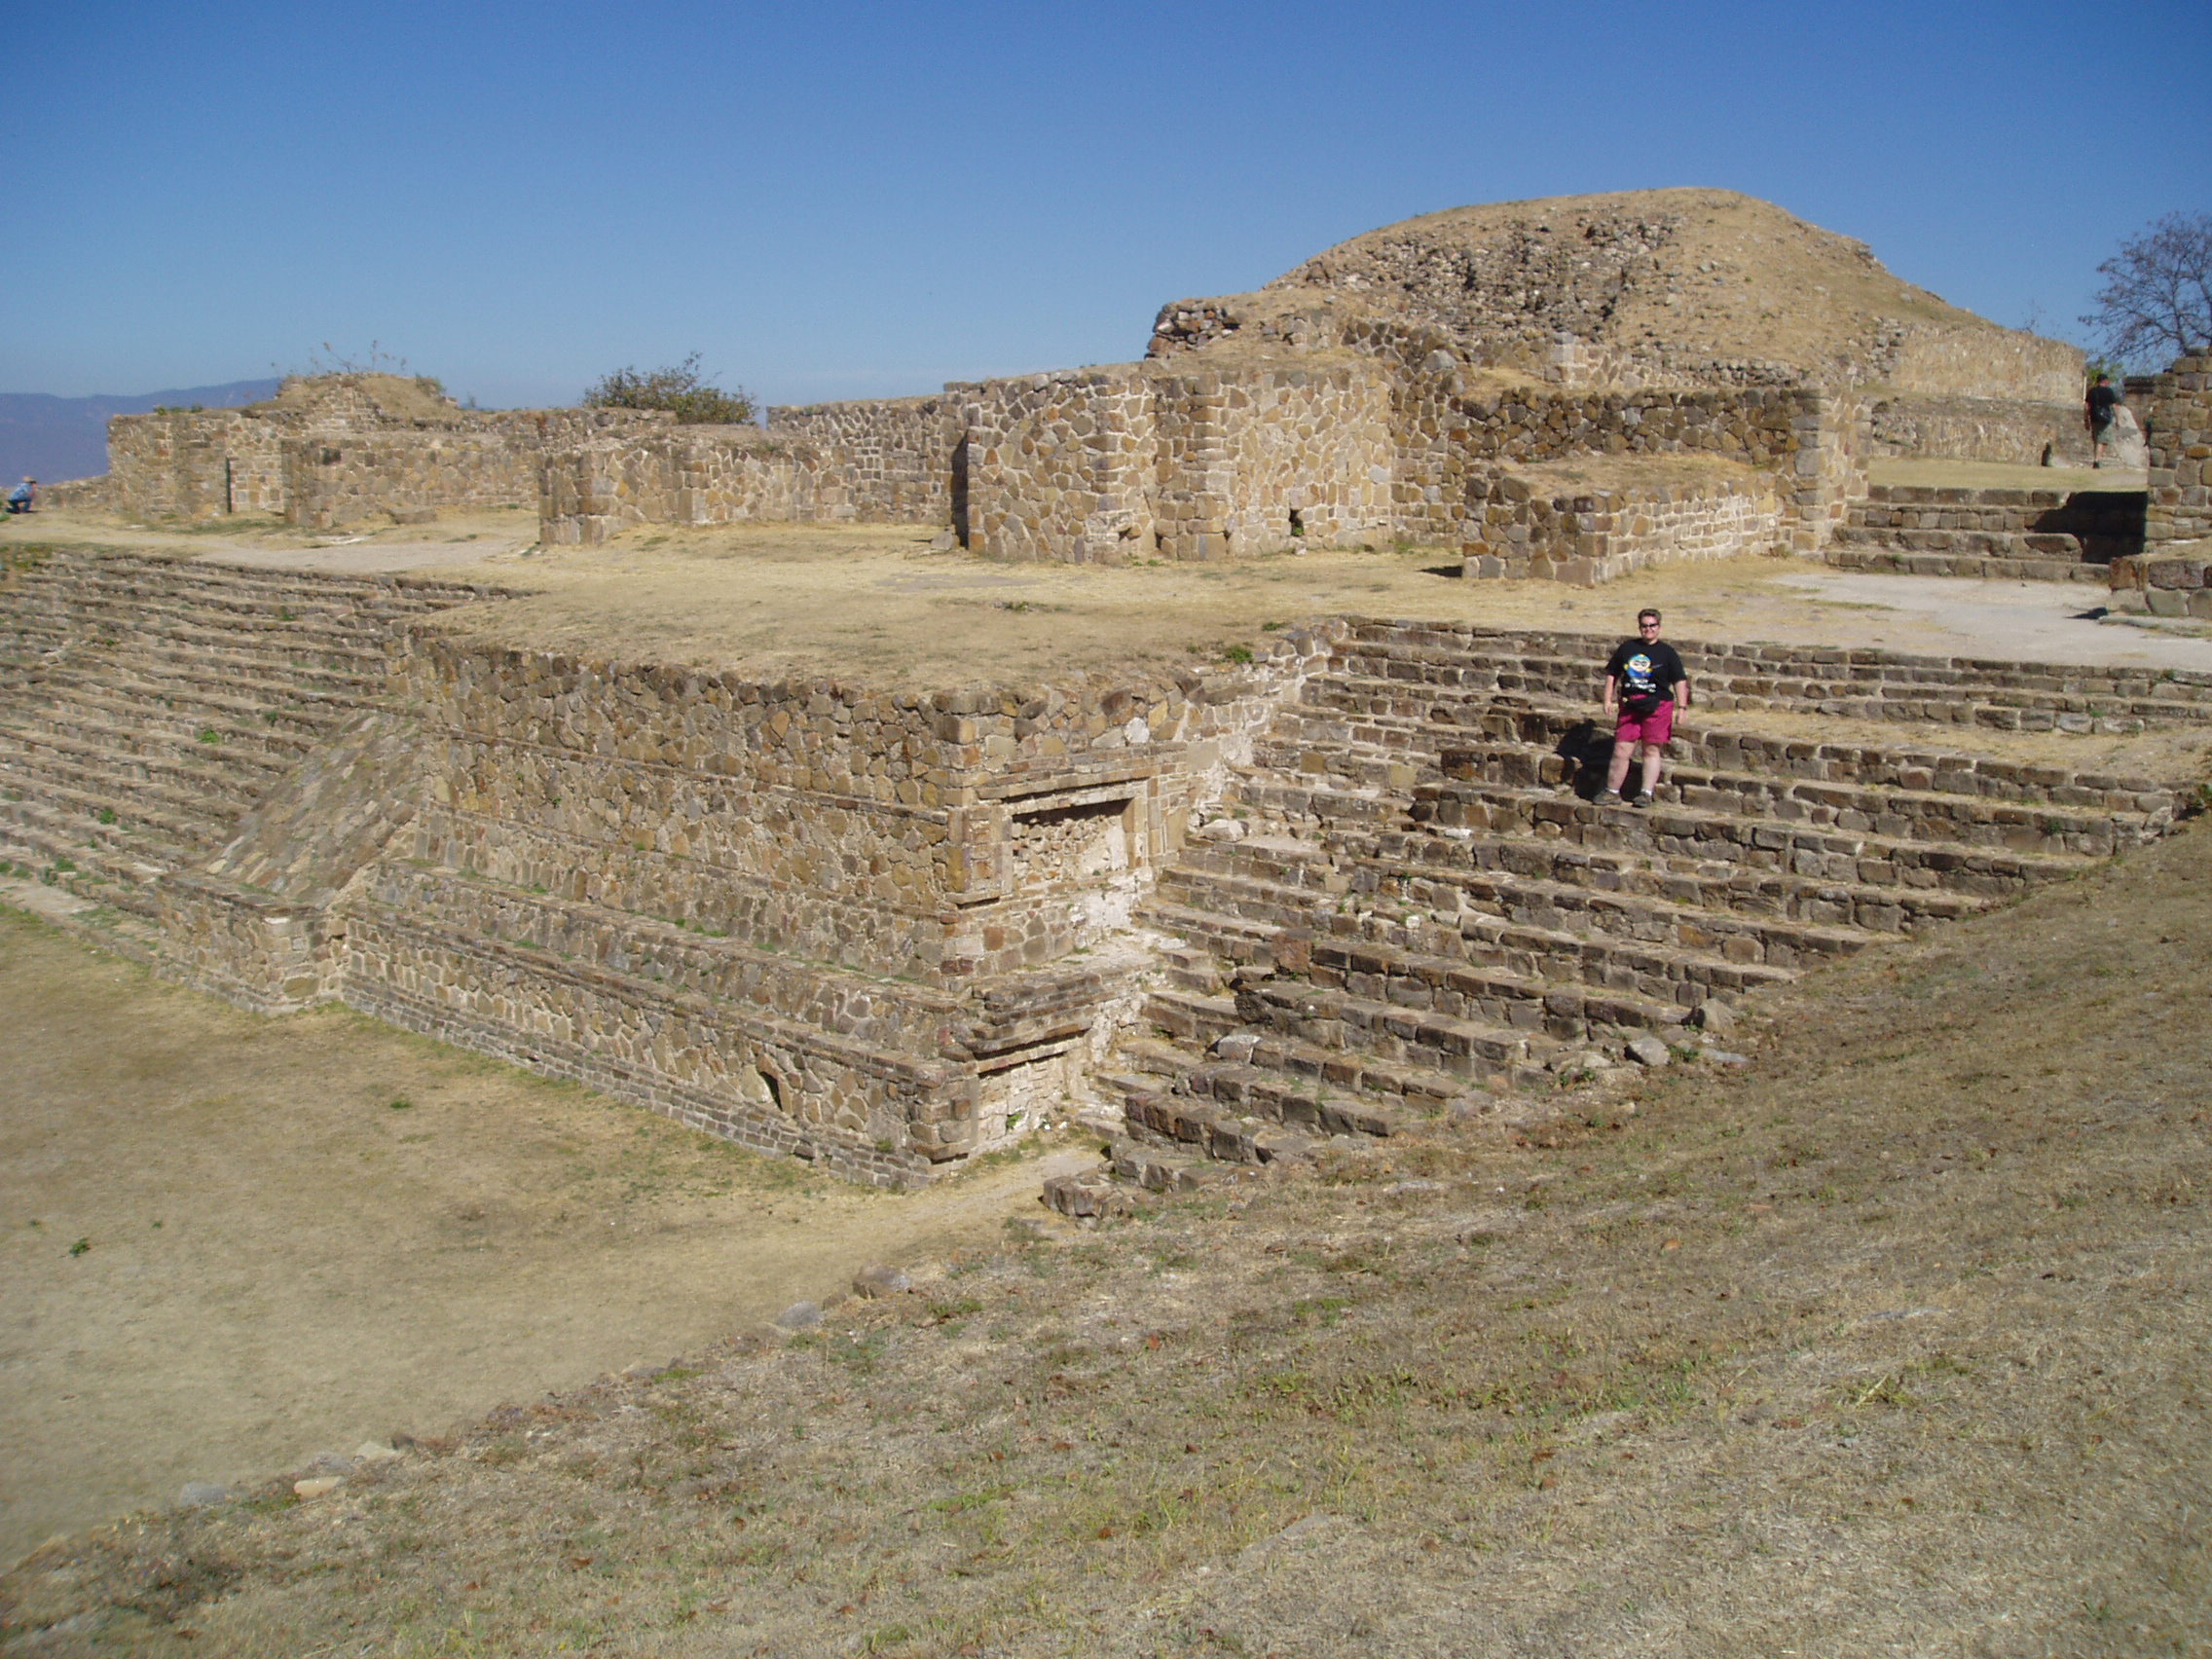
point(859, 199)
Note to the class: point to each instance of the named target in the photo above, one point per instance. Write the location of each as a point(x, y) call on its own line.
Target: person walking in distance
point(1644, 680)
point(2097, 415)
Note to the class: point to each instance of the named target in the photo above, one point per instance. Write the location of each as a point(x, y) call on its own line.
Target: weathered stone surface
point(878, 1279)
point(1090, 1197)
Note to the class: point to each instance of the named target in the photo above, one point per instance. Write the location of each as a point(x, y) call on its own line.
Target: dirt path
point(281, 1258)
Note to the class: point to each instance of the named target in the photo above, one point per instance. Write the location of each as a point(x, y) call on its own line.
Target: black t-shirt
point(1647, 672)
point(2101, 400)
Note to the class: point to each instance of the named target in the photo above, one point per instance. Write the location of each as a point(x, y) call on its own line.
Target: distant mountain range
point(52, 438)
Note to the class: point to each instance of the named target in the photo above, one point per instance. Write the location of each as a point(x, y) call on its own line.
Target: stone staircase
point(147, 705)
point(1409, 904)
point(2016, 534)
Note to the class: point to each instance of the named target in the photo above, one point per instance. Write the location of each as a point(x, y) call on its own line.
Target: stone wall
point(2181, 453)
point(342, 449)
point(1066, 465)
point(1311, 456)
point(1976, 428)
point(196, 466)
point(1945, 360)
point(94, 493)
point(342, 480)
point(1453, 433)
point(682, 475)
point(892, 456)
point(2175, 585)
point(1593, 536)
point(886, 462)
point(818, 919)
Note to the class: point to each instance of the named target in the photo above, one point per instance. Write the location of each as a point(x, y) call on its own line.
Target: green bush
point(681, 390)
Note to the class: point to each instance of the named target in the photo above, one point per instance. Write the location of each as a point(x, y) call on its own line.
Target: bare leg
point(1651, 758)
point(1617, 774)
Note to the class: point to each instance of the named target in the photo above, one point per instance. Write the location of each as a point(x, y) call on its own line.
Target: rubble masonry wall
point(1599, 536)
point(2181, 453)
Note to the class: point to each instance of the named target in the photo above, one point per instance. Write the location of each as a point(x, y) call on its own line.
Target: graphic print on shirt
point(1638, 677)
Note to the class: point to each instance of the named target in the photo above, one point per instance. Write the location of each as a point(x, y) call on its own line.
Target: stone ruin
point(1712, 372)
point(1355, 882)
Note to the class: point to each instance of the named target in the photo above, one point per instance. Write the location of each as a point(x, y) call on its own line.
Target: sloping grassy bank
point(1896, 1341)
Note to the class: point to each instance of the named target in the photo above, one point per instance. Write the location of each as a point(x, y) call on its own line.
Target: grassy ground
point(2002, 475)
point(230, 1242)
point(1895, 1340)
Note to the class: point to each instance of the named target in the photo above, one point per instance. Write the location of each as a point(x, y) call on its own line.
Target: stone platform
point(1354, 877)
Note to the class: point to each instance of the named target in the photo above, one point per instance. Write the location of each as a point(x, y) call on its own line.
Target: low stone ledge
point(2166, 584)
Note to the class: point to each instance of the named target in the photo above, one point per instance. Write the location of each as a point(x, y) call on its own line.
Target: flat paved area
point(2015, 621)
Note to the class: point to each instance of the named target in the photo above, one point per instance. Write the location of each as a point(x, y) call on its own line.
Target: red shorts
point(1656, 727)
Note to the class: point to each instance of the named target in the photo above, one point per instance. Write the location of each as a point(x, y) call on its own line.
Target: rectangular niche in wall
point(1068, 842)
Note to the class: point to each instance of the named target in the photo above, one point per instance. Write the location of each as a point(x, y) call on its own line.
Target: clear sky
point(839, 200)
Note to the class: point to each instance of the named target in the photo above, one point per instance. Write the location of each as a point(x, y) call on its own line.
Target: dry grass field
point(880, 604)
point(300, 1234)
point(1894, 1340)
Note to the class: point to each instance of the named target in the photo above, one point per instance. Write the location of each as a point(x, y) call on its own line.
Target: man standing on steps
point(1643, 681)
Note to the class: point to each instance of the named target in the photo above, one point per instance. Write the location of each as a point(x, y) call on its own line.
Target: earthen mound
point(1649, 287)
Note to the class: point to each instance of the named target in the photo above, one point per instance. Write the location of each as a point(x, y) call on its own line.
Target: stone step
point(1316, 1107)
point(1671, 830)
point(117, 621)
point(1399, 719)
point(1415, 878)
point(1715, 888)
point(1976, 567)
point(1190, 969)
point(1900, 813)
point(108, 819)
point(265, 675)
point(45, 845)
point(1332, 1020)
point(156, 712)
point(1871, 685)
point(2001, 708)
point(1139, 1161)
point(145, 788)
point(82, 728)
point(239, 698)
point(1662, 834)
point(2023, 544)
point(1491, 968)
point(247, 584)
point(1218, 1133)
point(95, 583)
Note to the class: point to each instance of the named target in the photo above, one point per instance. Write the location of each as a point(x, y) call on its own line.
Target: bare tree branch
point(2157, 301)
